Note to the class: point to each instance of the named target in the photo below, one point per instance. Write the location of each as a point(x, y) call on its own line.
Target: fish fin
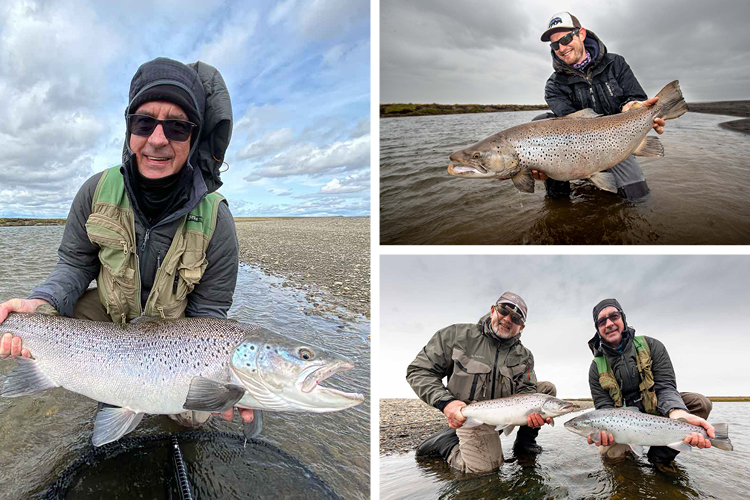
point(721, 430)
point(595, 437)
point(26, 378)
point(208, 395)
point(650, 146)
point(112, 423)
point(524, 181)
point(472, 422)
point(584, 113)
point(552, 422)
point(604, 180)
point(508, 429)
point(721, 440)
point(253, 429)
point(672, 102)
point(631, 408)
point(635, 106)
point(637, 449)
point(680, 446)
point(144, 319)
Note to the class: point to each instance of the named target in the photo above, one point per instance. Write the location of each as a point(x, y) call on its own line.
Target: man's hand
point(453, 411)
point(247, 415)
point(604, 439)
point(694, 438)
point(658, 122)
point(10, 345)
point(536, 420)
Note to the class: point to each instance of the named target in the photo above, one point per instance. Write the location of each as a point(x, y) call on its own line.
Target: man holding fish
point(482, 361)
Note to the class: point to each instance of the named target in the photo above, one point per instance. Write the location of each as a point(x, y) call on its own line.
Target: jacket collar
point(599, 348)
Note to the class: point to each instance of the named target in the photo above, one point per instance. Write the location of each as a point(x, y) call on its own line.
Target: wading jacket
point(478, 367)
point(606, 84)
point(624, 366)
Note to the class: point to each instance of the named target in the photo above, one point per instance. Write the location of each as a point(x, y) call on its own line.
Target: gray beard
point(500, 336)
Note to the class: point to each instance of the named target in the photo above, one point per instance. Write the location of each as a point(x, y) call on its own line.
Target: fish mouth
point(466, 168)
point(312, 377)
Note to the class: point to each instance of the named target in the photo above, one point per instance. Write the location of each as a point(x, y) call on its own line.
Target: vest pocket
point(469, 378)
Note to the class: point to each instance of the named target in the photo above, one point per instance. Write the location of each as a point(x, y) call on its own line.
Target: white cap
point(560, 21)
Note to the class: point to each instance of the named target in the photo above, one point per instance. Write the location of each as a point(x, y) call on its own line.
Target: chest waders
point(111, 227)
point(643, 359)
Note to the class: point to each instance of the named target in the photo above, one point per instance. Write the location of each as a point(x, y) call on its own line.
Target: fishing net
point(205, 465)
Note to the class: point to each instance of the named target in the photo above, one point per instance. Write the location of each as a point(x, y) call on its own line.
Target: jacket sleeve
point(77, 258)
point(558, 101)
point(212, 297)
point(433, 363)
point(665, 382)
point(632, 90)
point(600, 395)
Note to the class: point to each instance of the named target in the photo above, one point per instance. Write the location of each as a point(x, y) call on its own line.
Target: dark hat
point(169, 93)
point(514, 300)
point(562, 21)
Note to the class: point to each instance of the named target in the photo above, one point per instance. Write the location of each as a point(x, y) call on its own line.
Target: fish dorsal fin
point(209, 395)
point(584, 113)
point(112, 423)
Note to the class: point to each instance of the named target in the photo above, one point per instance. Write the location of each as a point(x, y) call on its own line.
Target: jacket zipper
point(494, 373)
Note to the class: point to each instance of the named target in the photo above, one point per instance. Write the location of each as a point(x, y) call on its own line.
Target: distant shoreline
point(20, 221)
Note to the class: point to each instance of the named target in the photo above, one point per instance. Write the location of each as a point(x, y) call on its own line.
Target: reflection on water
point(569, 468)
point(44, 432)
point(699, 190)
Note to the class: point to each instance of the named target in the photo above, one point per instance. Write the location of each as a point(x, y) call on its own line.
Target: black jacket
point(605, 84)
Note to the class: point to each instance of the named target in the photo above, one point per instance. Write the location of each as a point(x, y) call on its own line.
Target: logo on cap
point(555, 21)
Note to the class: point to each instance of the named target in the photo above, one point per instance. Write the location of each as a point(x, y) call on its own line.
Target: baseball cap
point(517, 303)
point(560, 21)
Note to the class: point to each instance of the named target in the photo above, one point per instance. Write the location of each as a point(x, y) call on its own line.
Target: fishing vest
point(111, 227)
point(643, 359)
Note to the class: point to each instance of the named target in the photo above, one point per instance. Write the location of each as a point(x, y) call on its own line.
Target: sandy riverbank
point(327, 257)
point(729, 108)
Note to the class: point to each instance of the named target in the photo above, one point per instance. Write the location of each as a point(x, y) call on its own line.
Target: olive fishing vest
point(111, 227)
point(643, 359)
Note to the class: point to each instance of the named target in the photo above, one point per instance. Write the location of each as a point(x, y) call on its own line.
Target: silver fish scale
point(114, 363)
point(575, 148)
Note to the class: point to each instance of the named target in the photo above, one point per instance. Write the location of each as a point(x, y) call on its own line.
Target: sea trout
point(506, 413)
point(169, 366)
point(582, 145)
point(631, 427)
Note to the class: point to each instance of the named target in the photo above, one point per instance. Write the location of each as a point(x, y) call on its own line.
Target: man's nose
point(157, 137)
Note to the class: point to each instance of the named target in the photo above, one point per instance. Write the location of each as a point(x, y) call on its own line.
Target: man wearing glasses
point(635, 371)
point(482, 361)
point(587, 76)
point(153, 232)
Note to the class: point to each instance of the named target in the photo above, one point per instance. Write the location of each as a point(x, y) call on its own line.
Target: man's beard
point(502, 333)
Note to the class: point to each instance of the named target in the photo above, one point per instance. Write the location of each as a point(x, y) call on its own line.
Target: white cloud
point(268, 144)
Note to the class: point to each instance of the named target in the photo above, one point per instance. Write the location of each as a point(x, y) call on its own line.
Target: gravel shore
point(327, 257)
point(731, 108)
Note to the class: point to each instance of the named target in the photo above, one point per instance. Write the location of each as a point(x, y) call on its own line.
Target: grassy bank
point(390, 110)
point(12, 221)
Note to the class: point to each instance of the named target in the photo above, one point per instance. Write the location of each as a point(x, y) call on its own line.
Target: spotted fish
point(169, 366)
point(629, 426)
point(506, 413)
point(582, 145)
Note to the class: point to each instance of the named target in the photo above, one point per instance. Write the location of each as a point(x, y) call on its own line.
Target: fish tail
point(672, 103)
point(721, 440)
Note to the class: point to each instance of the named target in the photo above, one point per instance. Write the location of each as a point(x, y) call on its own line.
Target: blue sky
point(298, 73)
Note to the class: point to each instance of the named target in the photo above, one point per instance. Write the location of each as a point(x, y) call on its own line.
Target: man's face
point(574, 52)
point(611, 331)
point(502, 325)
point(157, 156)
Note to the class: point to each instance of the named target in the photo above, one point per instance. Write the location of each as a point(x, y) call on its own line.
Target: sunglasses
point(514, 317)
point(612, 317)
point(174, 130)
point(564, 40)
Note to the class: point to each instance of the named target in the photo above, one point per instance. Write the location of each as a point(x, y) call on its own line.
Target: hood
point(593, 45)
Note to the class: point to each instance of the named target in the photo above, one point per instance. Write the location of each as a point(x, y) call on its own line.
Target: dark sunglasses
point(514, 317)
point(564, 40)
point(174, 130)
point(612, 317)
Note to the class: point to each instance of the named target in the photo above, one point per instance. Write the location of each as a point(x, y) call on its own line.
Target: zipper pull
point(145, 240)
point(158, 260)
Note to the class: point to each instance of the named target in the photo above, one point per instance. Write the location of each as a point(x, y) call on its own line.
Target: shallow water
point(570, 468)
point(42, 433)
point(699, 190)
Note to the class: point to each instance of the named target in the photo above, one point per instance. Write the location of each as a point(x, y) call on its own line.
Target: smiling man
point(482, 361)
point(152, 232)
point(587, 76)
point(636, 371)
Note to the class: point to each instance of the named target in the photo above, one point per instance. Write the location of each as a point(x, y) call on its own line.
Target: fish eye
point(476, 155)
point(305, 354)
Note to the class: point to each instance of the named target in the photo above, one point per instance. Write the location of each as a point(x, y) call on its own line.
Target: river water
point(41, 434)
point(699, 190)
point(570, 468)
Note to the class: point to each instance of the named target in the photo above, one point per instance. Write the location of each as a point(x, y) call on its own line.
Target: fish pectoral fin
point(507, 429)
point(649, 146)
point(596, 437)
point(680, 446)
point(26, 378)
point(584, 113)
point(524, 181)
point(637, 449)
point(112, 423)
point(604, 180)
point(253, 429)
point(552, 422)
point(209, 395)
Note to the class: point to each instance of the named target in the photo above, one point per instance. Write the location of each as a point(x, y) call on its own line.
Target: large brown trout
point(582, 145)
point(169, 366)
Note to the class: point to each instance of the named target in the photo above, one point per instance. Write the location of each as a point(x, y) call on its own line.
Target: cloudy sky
point(297, 71)
point(695, 305)
point(485, 51)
